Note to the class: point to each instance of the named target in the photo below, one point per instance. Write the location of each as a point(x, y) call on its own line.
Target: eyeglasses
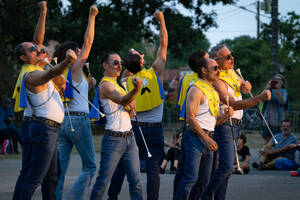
point(32, 49)
point(228, 57)
point(214, 68)
point(116, 62)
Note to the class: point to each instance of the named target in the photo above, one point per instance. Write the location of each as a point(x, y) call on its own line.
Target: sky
point(233, 21)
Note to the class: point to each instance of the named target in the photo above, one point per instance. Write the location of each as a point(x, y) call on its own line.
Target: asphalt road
point(258, 185)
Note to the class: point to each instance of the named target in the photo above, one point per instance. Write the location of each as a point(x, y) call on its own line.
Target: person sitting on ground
point(9, 117)
point(4, 134)
point(285, 148)
point(244, 155)
point(172, 154)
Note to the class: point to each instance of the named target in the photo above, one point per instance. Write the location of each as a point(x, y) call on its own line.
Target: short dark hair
point(244, 138)
point(287, 120)
point(19, 51)
point(132, 62)
point(197, 55)
point(196, 62)
point(106, 57)
point(60, 52)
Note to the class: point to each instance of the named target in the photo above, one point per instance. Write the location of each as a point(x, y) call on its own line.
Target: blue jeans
point(42, 161)
point(218, 183)
point(83, 141)
point(112, 150)
point(155, 140)
point(197, 166)
point(26, 154)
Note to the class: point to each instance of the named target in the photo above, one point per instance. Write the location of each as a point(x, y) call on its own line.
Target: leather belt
point(236, 122)
point(72, 113)
point(47, 121)
point(118, 133)
point(25, 118)
point(146, 124)
point(209, 133)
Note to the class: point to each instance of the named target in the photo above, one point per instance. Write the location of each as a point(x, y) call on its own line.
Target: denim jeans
point(42, 161)
point(155, 140)
point(26, 154)
point(112, 150)
point(218, 183)
point(197, 166)
point(83, 141)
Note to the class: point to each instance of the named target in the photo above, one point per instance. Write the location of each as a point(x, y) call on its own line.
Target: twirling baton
point(142, 134)
point(65, 102)
point(102, 115)
point(234, 141)
point(262, 116)
point(88, 68)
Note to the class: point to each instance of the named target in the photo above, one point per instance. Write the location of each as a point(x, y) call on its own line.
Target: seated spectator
point(4, 134)
point(9, 117)
point(244, 155)
point(172, 154)
point(282, 152)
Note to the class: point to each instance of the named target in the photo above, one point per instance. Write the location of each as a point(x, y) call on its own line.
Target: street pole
point(274, 45)
point(258, 19)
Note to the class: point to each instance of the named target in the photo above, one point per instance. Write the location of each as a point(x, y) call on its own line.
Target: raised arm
point(109, 91)
point(161, 57)
point(39, 33)
point(36, 81)
point(222, 89)
point(87, 45)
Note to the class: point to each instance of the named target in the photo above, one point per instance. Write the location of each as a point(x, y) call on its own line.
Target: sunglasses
point(32, 49)
point(214, 68)
point(228, 57)
point(43, 50)
point(116, 62)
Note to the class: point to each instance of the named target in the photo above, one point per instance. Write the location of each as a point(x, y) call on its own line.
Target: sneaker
point(295, 173)
point(4, 147)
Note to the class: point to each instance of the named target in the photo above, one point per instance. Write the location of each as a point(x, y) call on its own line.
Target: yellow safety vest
point(211, 95)
point(17, 91)
point(231, 78)
point(151, 93)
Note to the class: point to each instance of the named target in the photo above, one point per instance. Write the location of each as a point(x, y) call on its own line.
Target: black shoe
point(255, 165)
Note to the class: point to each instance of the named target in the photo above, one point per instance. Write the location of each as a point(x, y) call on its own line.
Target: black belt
point(118, 133)
point(72, 113)
point(25, 118)
point(47, 121)
point(146, 124)
point(236, 122)
point(209, 133)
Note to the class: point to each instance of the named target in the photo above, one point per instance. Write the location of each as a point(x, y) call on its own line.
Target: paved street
point(264, 185)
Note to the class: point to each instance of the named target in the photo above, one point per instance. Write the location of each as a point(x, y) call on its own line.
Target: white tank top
point(238, 114)
point(28, 112)
point(78, 104)
point(46, 104)
point(204, 117)
point(153, 116)
point(117, 119)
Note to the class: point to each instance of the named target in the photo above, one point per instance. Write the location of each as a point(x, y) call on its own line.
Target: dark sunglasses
point(228, 57)
point(214, 68)
point(116, 62)
point(43, 50)
point(32, 49)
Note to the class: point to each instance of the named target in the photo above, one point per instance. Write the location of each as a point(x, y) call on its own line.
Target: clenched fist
point(159, 15)
point(137, 82)
point(265, 95)
point(94, 10)
point(246, 87)
point(71, 56)
point(42, 5)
